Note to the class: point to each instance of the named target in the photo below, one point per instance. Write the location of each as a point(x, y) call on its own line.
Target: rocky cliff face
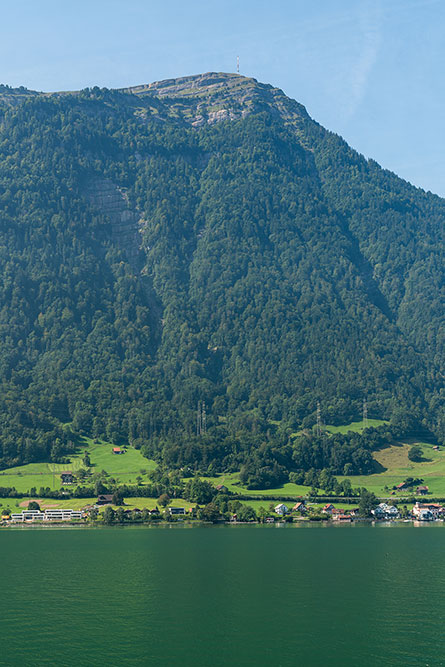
point(112, 202)
point(214, 97)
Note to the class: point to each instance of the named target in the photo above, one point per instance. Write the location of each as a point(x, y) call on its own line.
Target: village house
point(299, 507)
point(281, 509)
point(428, 511)
point(328, 508)
point(67, 477)
point(176, 510)
point(384, 511)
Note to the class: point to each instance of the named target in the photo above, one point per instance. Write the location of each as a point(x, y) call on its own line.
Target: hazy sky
point(370, 70)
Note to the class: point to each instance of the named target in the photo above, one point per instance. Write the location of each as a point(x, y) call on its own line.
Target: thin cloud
point(370, 24)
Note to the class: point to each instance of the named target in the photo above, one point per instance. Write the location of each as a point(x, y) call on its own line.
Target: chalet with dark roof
point(105, 499)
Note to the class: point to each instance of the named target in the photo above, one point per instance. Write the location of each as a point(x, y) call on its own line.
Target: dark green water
point(234, 595)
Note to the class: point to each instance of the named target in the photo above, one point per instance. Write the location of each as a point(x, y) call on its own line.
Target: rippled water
point(232, 595)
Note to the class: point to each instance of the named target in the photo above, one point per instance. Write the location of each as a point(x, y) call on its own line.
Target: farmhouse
point(67, 477)
point(402, 486)
point(422, 490)
point(117, 450)
point(299, 507)
point(281, 509)
point(221, 488)
point(104, 499)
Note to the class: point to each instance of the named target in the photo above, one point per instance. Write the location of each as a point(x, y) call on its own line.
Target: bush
point(415, 453)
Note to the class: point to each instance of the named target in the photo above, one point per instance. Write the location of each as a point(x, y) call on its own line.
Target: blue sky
point(370, 70)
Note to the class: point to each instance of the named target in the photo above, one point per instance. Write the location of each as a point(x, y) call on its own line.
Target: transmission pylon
point(318, 418)
point(204, 419)
point(365, 413)
point(199, 419)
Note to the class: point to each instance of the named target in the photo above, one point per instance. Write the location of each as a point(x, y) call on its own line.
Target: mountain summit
point(203, 241)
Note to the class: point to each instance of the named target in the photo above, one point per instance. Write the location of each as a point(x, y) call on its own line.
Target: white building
point(281, 509)
point(384, 511)
point(47, 515)
point(427, 511)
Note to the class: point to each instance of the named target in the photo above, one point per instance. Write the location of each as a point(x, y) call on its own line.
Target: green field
point(356, 427)
point(231, 481)
point(122, 467)
point(397, 466)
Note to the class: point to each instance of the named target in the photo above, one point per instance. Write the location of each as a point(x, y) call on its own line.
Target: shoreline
point(191, 524)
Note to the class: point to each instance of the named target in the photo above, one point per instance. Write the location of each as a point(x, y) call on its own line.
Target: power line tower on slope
point(365, 413)
point(199, 419)
point(204, 419)
point(318, 419)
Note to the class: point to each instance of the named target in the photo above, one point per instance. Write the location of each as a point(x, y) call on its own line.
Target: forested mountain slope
point(203, 239)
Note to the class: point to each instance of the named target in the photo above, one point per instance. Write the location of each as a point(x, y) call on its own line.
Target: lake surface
point(224, 595)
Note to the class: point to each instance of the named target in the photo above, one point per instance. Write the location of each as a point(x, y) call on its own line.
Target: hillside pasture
point(397, 467)
point(125, 468)
point(232, 482)
point(355, 427)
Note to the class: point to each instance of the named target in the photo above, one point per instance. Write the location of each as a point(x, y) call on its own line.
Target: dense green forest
point(204, 241)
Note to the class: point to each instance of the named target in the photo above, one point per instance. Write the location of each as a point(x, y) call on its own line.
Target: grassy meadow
point(123, 467)
point(356, 427)
point(396, 466)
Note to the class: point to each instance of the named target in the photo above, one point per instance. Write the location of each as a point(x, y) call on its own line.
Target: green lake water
point(224, 595)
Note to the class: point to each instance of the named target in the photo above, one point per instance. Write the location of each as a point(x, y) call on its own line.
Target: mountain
point(203, 240)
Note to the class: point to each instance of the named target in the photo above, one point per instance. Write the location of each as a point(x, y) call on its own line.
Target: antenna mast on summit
point(237, 64)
